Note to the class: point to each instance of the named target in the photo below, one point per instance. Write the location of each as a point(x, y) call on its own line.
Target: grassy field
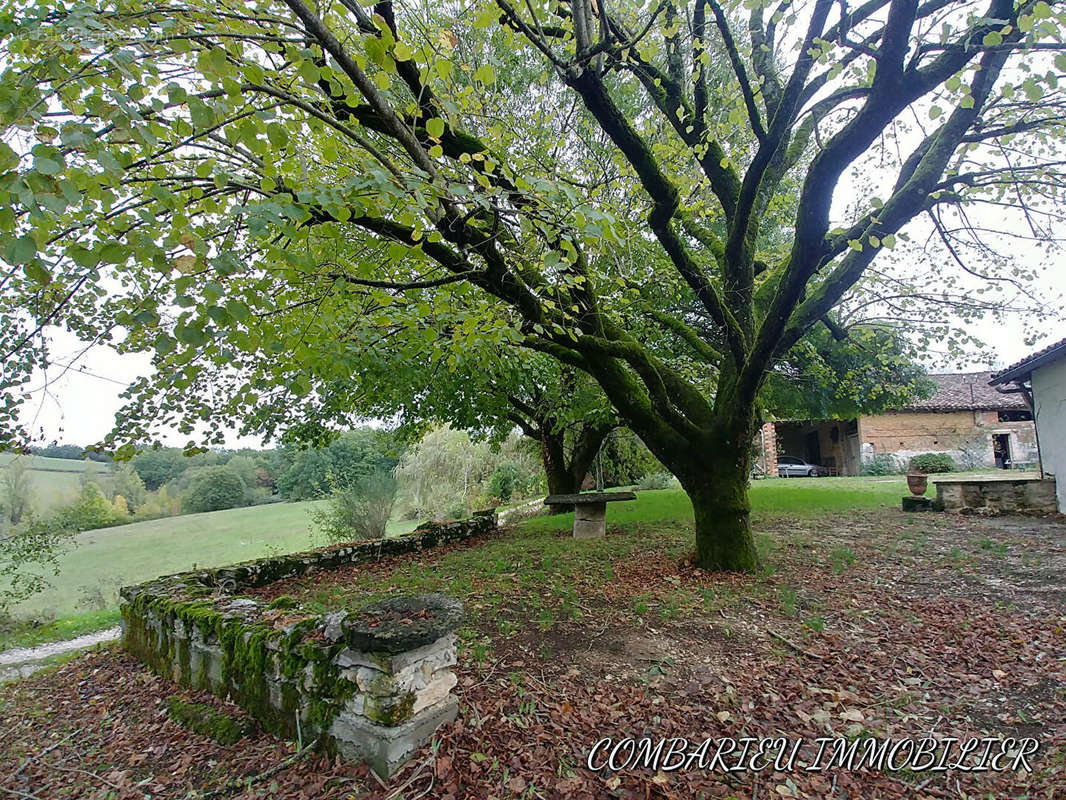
point(56, 481)
point(84, 595)
point(108, 558)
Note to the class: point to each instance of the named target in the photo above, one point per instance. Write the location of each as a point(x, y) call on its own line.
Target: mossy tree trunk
point(566, 451)
point(565, 468)
point(718, 489)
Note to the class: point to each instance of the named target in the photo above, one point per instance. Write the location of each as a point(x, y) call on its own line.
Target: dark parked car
point(792, 467)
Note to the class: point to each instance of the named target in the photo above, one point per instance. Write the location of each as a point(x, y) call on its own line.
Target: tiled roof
point(1020, 369)
point(965, 391)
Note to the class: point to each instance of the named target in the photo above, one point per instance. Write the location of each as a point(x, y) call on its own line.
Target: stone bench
point(590, 510)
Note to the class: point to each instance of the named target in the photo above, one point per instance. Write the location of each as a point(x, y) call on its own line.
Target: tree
point(317, 472)
point(128, 484)
point(214, 489)
point(525, 176)
point(156, 467)
point(15, 491)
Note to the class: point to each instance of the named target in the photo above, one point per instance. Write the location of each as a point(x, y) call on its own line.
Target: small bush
point(656, 480)
point(933, 462)
point(92, 511)
point(214, 489)
point(503, 481)
point(360, 511)
point(881, 464)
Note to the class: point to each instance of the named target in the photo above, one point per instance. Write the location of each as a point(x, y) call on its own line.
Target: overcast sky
point(79, 406)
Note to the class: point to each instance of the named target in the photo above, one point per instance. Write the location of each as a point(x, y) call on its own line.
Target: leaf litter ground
point(870, 624)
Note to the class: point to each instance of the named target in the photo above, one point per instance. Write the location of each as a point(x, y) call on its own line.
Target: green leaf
point(9, 159)
point(36, 271)
point(113, 253)
point(277, 134)
point(435, 127)
point(23, 250)
point(485, 74)
point(309, 72)
point(402, 52)
point(201, 114)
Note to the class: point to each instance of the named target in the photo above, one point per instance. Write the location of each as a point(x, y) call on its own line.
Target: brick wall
point(768, 442)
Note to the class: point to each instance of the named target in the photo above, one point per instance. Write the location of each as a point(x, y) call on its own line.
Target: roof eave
point(1024, 369)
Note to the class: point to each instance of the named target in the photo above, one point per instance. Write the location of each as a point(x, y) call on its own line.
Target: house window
point(1016, 415)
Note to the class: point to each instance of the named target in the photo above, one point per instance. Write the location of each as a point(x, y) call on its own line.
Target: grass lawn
point(865, 622)
point(106, 559)
point(535, 555)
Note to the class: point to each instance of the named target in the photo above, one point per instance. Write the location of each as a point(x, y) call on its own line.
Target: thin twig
point(238, 784)
point(794, 646)
point(44, 752)
point(399, 789)
point(19, 794)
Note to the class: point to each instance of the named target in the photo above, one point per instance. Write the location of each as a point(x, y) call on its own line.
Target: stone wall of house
point(373, 684)
point(965, 435)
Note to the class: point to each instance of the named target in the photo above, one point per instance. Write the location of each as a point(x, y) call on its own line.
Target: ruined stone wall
point(373, 684)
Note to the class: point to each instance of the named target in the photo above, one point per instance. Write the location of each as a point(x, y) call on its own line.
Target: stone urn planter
point(917, 482)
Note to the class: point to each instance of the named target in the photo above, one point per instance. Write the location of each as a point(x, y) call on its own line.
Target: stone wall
point(965, 435)
point(995, 495)
point(373, 684)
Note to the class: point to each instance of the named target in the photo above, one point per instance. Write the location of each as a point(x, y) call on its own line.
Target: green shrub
point(92, 511)
point(933, 462)
point(503, 481)
point(213, 489)
point(359, 511)
point(656, 480)
point(625, 460)
point(880, 464)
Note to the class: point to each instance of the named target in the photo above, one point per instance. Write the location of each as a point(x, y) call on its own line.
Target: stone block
point(913, 503)
point(590, 521)
point(441, 653)
point(435, 691)
point(386, 749)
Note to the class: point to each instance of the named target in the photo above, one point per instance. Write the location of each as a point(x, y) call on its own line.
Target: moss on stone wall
point(193, 628)
point(207, 721)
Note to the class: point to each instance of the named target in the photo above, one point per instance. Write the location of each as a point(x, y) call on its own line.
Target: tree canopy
point(586, 181)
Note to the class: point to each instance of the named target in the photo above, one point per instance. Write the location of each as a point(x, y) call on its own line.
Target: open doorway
point(1001, 450)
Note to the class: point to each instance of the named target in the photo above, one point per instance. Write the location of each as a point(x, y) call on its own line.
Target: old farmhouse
point(979, 426)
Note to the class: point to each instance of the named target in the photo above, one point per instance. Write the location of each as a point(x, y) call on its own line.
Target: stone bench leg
point(590, 521)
